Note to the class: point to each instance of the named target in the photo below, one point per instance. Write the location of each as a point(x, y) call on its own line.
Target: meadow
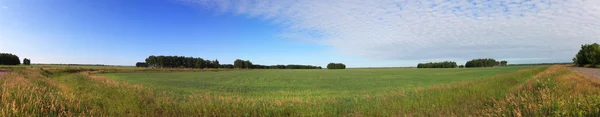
point(501, 91)
point(311, 83)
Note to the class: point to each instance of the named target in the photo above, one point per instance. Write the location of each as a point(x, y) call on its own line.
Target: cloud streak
point(430, 29)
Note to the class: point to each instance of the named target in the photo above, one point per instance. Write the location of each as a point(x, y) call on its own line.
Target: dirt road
point(590, 72)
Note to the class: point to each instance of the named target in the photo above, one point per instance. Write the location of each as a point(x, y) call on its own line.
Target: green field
point(500, 91)
point(304, 83)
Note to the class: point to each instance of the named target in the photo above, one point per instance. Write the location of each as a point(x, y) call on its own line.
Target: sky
point(359, 33)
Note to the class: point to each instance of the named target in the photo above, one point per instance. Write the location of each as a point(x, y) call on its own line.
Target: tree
point(247, 64)
point(336, 66)
point(216, 64)
point(504, 63)
point(588, 54)
point(445, 64)
point(9, 59)
point(487, 62)
point(237, 63)
point(26, 61)
point(141, 64)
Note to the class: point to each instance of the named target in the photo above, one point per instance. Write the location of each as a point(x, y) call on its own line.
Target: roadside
point(591, 72)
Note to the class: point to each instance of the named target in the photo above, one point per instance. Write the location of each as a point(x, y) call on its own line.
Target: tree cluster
point(504, 63)
point(486, 62)
point(246, 64)
point(445, 64)
point(589, 54)
point(180, 62)
point(239, 63)
point(26, 61)
point(285, 67)
point(336, 66)
point(9, 59)
point(230, 66)
point(141, 64)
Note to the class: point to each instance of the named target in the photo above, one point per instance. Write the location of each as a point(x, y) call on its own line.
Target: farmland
point(500, 91)
point(304, 83)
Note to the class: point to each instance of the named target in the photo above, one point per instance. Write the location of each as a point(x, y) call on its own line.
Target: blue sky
point(359, 33)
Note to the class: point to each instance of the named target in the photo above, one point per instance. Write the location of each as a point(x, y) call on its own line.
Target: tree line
point(141, 64)
point(180, 62)
point(445, 64)
point(485, 62)
point(291, 66)
point(246, 64)
point(9, 59)
point(589, 54)
point(336, 66)
point(191, 62)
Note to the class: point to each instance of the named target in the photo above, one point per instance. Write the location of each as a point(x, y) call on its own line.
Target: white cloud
point(4, 7)
point(432, 29)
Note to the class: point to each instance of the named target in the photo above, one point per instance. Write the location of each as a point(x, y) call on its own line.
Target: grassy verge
point(555, 90)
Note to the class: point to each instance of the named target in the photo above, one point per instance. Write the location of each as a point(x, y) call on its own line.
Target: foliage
point(285, 67)
point(180, 62)
point(504, 63)
point(26, 61)
point(248, 65)
point(445, 64)
point(141, 64)
point(336, 66)
point(588, 54)
point(239, 63)
point(486, 62)
point(230, 66)
point(9, 59)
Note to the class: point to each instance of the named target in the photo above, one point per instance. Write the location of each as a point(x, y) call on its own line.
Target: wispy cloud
point(416, 29)
point(4, 7)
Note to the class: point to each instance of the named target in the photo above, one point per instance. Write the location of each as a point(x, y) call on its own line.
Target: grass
point(303, 83)
point(513, 91)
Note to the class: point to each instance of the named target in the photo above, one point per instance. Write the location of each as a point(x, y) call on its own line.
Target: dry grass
point(559, 91)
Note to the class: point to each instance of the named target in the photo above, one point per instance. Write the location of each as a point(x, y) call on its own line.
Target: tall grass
point(543, 91)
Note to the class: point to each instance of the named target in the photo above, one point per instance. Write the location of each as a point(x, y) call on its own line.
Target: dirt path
point(590, 72)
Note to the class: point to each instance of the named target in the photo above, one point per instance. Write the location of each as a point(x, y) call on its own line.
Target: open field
point(304, 83)
point(513, 91)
